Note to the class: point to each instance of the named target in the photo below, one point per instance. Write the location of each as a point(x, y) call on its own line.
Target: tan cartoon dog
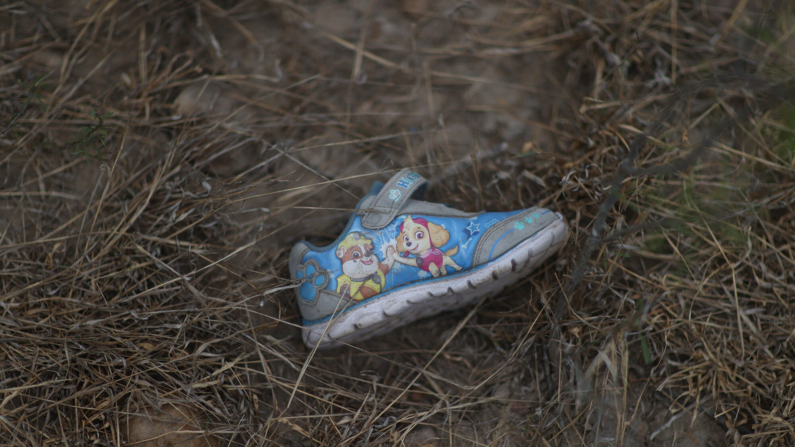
point(363, 275)
point(420, 238)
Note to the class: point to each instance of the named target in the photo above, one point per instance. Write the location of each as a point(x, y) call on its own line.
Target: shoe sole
point(405, 305)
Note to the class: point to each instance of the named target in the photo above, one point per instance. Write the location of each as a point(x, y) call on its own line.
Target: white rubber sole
point(404, 305)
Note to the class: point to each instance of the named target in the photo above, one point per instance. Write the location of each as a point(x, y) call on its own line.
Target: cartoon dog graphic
point(363, 275)
point(420, 238)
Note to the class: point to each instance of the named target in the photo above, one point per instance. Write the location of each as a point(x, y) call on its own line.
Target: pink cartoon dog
point(420, 238)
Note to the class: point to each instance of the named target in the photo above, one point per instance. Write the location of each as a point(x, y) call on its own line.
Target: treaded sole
point(403, 306)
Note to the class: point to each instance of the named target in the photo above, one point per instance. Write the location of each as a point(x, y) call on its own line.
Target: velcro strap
point(388, 203)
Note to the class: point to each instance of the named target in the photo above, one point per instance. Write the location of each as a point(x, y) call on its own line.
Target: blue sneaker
point(401, 259)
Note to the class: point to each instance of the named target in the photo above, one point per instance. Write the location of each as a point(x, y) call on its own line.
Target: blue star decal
point(472, 229)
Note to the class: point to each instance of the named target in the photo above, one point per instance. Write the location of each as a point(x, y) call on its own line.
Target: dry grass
point(159, 159)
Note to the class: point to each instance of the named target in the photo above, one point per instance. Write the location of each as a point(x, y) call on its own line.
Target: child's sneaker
point(401, 259)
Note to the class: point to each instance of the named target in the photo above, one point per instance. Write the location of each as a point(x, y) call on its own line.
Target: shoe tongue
point(393, 195)
point(376, 188)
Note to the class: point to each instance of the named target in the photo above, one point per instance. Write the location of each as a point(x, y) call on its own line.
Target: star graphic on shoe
point(472, 229)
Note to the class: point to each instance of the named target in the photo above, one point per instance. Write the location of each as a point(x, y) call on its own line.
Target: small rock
point(176, 425)
point(422, 437)
point(49, 59)
point(197, 98)
point(415, 9)
point(337, 19)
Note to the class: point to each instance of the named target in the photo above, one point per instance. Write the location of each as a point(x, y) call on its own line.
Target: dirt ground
point(158, 160)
